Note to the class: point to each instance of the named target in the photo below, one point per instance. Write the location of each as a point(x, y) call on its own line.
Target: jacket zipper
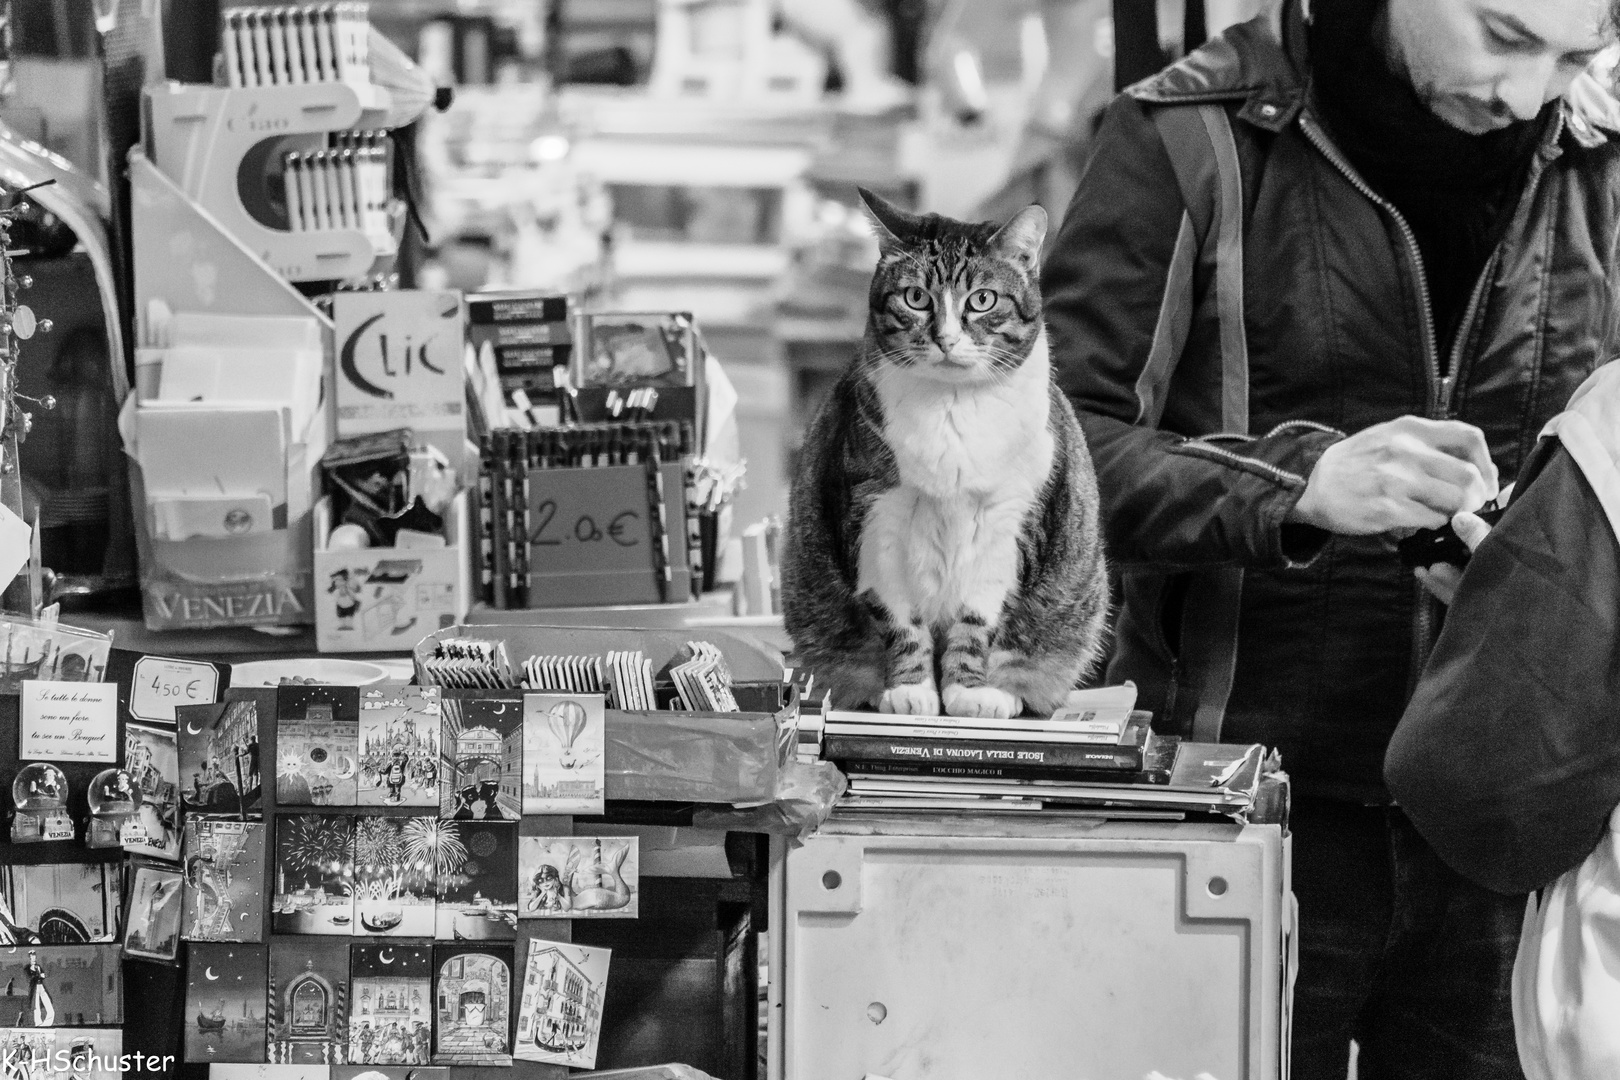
point(1442, 387)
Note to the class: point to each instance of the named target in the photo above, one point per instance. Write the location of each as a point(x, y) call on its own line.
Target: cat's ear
point(889, 221)
point(1021, 238)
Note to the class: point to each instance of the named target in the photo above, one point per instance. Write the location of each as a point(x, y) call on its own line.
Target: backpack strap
point(1209, 251)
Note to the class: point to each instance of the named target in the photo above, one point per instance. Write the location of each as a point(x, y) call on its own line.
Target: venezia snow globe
point(114, 800)
point(40, 793)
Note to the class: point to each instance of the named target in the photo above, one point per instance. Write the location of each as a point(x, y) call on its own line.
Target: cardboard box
point(388, 599)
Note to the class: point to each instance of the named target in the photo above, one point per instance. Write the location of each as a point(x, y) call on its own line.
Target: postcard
point(373, 1072)
point(390, 1004)
point(394, 864)
point(224, 880)
point(61, 986)
point(69, 721)
point(90, 1053)
point(399, 745)
point(563, 738)
point(309, 1002)
point(314, 879)
point(225, 1002)
point(270, 1071)
point(153, 762)
point(473, 991)
point(481, 756)
point(63, 903)
point(580, 877)
point(219, 757)
point(478, 880)
point(155, 907)
point(560, 1017)
point(317, 745)
point(35, 1046)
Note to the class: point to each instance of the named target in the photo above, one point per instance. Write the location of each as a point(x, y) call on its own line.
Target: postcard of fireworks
point(560, 1016)
point(399, 745)
point(472, 1024)
point(317, 745)
point(60, 903)
point(478, 886)
point(314, 877)
point(61, 986)
point(579, 877)
point(224, 880)
point(225, 1002)
point(155, 907)
point(481, 756)
point(152, 760)
point(390, 1004)
point(309, 1002)
point(394, 864)
point(219, 757)
point(563, 739)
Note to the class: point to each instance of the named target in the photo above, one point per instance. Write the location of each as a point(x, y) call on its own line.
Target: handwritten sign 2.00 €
point(591, 539)
point(69, 721)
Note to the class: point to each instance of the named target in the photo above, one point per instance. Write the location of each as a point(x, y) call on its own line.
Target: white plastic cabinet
point(1031, 948)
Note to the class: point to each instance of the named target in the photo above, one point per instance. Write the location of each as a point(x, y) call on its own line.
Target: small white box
point(1033, 947)
point(388, 599)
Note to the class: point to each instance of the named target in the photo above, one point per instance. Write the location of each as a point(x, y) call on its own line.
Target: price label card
point(69, 721)
point(158, 684)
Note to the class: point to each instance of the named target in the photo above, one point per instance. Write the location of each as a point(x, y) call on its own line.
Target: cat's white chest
point(972, 463)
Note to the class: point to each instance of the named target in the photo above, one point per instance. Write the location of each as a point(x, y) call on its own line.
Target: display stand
point(217, 145)
point(1031, 945)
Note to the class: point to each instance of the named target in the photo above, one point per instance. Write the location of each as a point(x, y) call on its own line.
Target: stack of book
point(1100, 760)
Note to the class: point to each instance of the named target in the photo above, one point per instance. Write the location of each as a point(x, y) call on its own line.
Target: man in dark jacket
point(1322, 281)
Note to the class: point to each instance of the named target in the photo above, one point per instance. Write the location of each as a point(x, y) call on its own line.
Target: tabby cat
point(943, 542)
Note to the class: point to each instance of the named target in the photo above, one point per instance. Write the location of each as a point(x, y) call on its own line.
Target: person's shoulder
point(1247, 57)
point(1591, 113)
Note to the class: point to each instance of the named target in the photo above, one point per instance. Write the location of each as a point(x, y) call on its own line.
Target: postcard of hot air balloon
point(563, 739)
point(317, 745)
point(226, 994)
point(579, 877)
point(481, 755)
point(224, 893)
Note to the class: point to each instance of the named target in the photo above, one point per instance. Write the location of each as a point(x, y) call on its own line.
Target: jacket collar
point(1263, 63)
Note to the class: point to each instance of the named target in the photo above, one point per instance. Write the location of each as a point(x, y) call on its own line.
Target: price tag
point(158, 684)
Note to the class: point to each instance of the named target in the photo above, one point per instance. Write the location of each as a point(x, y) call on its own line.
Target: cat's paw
point(912, 699)
point(982, 701)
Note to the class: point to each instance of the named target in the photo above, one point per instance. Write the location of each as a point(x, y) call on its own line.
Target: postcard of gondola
point(152, 760)
point(395, 863)
point(61, 986)
point(481, 756)
point(219, 757)
point(563, 740)
point(399, 745)
point(225, 1002)
point(477, 880)
point(224, 880)
point(60, 903)
point(314, 875)
point(472, 986)
point(390, 1004)
point(579, 877)
point(560, 1015)
point(155, 908)
point(309, 1002)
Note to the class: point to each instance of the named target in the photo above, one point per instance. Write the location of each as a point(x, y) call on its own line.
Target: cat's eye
point(916, 297)
point(982, 299)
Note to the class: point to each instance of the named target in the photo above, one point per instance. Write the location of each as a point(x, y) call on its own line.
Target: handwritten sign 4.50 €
point(159, 683)
point(69, 721)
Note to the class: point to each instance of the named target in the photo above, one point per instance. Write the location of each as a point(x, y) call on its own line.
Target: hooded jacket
point(1211, 368)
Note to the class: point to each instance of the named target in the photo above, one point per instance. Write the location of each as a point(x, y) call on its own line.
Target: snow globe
point(40, 793)
point(114, 800)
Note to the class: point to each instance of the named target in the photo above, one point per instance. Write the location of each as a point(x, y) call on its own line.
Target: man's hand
point(1404, 474)
point(1442, 579)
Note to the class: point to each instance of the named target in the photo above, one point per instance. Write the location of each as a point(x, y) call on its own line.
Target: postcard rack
point(218, 144)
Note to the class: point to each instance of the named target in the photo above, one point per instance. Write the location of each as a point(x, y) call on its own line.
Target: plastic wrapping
point(732, 758)
point(805, 796)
